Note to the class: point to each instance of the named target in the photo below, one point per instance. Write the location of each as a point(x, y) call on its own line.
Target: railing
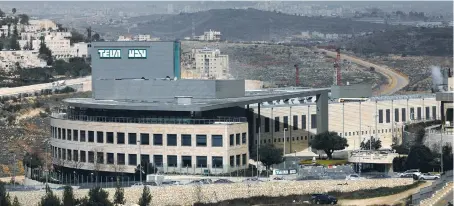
point(152, 120)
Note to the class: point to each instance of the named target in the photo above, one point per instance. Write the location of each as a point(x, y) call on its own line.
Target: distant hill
point(248, 24)
point(408, 41)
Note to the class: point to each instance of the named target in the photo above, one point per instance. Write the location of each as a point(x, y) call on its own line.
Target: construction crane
point(337, 69)
point(297, 75)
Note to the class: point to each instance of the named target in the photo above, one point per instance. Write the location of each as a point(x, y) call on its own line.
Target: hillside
point(407, 41)
point(248, 24)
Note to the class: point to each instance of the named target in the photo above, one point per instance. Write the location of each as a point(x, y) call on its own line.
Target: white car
point(139, 184)
point(427, 176)
point(354, 177)
point(409, 173)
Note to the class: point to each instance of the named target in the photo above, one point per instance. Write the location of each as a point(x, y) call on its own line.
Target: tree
point(14, 10)
point(376, 144)
point(24, 19)
point(15, 32)
point(76, 37)
point(329, 142)
point(145, 199)
point(119, 197)
point(49, 199)
point(269, 155)
point(32, 160)
point(4, 196)
point(420, 134)
point(14, 44)
point(420, 157)
point(2, 13)
point(68, 196)
point(16, 202)
point(447, 157)
point(98, 196)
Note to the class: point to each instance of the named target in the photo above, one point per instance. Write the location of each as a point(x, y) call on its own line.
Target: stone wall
point(188, 194)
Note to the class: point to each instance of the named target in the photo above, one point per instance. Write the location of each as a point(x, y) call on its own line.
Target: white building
point(209, 36)
point(40, 25)
point(139, 37)
point(210, 63)
point(26, 59)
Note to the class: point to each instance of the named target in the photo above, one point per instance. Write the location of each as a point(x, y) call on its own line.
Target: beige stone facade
point(166, 152)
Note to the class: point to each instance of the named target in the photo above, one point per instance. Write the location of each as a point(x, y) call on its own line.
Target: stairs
point(438, 195)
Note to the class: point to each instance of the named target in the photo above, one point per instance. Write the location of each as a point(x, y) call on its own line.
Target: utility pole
point(370, 144)
point(258, 145)
point(140, 163)
point(441, 149)
point(360, 121)
point(285, 139)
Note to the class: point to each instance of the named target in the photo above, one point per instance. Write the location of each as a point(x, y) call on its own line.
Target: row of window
point(403, 113)
point(382, 131)
point(158, 160)
point(144, 138)
point(277, 123)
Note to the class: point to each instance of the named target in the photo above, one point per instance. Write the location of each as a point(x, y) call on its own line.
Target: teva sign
point(137, 54)
point(109, 53)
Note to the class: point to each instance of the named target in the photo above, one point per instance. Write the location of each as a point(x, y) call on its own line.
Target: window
point(172, 160)
point(232, 139)
point(83, 157)
point(380, 116)
point(132, 158)
point(232, 161)
point(75, 135)
point(157, 139)
point(244, 159)
point(201, 161)
point(69, 134)
point(396, 115)
point(75, 155)
point(238, 160)
point(120, 138)
point(69, 154)
point(144, 159)
point(186, 140)
point(388, 116)
point(91, 136)
point(257, 124)
point(276, 124)
point(59, 133)
point(216, 140)
point(132, 138)
point(100, 137)
point(427, 113)
point(63, 134)
point(295, 122)
point(434, 112)
point(243, 137)
point(110, 158)
point(286, 122)
point(418, 113)
point(82, 135)
point(171, 140)
point(100, 157)
point(412, 113)
point(267, 124)
point(110, 137)
point(158, 160)
point(201, 140)
point(186, 161)
point(237, 139)
point(303, 122)
point(144, 138)
point(216, 162)
point(313, 121)
point(121, 159)
point(404, 115)
point(91, 157)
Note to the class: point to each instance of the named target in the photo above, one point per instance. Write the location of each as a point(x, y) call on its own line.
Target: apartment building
point(210, 63)
point(25, 59)
point(139, 37)
point(209, 36)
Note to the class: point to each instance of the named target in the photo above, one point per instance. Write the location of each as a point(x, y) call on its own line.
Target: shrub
point(145, 199)
point(119, 197)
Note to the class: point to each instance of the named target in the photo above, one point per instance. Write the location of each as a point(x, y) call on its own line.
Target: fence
point(320, 172)
point(428, 191)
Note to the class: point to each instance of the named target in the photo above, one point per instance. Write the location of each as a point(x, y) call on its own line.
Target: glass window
point(232, 161)
point(216, 140)
point(157, 139)
point(76, 135)
point(380, 116)
point(427, 113)
point(69, 154)
point(201, 161)
point(120, 138)
point(132, 158)
point(186, 140)
point(396, 115)
point(419, 113)
point(285, 121)
point(121, 159)
point(244, 159)
point(144, 159)
point(91, 157)
point(59, 133)
point(132, 138)
point(257, 124)
point(171, 140)
point(404, 115)
point(91, 136)
point(100, 157)
point(276, 124)
point(100, 137)
point(232, 139)
point(75, 155)
point(69, 134)
point(110, 137)
point(201, 140)
point(172, 160)
point(295, 122)
point(144, 138)
point(313, 121)
point(158, 160)
point(63, 134)
point(82, 135)
point(186, 161)
point(110, 158)
point(238, 139)
point(238, 160)
point(267, 124)
point(303, 121)
point(412, 113)
point(434, 112)
point(83, 156)
point(388, 116)
point(216, 162)
point(243, 137)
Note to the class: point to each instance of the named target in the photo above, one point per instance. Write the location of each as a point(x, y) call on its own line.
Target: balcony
point(151, 120)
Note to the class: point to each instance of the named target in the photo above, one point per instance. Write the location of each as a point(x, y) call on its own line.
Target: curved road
point(396, 80)
point(38, 87)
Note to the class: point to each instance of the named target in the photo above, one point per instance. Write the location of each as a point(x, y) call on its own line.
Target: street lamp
point(285, 140)
point(140, 163)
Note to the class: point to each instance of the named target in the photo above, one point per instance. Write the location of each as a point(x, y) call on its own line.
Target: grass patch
point(325, 162)
point(378, 192)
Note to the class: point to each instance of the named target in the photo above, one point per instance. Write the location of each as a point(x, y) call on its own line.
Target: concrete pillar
point(389, 169)
point(442, 112)
point(322, 113)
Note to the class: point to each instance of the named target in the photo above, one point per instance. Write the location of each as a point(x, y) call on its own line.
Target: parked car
point(410, 173)
point(222, 181)
point(354, 177)
point(427, 176)
point(278, 178)
point(139, 184)
point(323, 199)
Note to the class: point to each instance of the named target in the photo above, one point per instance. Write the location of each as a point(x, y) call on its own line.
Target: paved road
point(396, 80)
point(39, 87)
point(444, 200)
